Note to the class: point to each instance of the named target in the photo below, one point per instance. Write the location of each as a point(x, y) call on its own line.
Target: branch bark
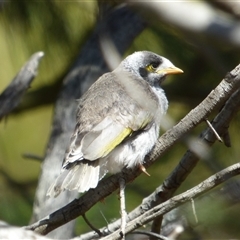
point(232, 7)
point(178, 200)
point(8, 231)
point(199, 19)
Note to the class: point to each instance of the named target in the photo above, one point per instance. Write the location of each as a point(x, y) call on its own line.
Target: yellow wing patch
point(111, 145)
point(122, 135)
point(105, 136)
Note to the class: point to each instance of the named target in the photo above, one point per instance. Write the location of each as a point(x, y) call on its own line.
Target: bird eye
point(154, 65)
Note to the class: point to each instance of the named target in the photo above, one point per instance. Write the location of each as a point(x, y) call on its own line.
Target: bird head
point(149, 66)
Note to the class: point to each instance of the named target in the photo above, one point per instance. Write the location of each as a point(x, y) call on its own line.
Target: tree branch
point(12, 95)
point(178, 200)
point(161, 209)
point(199, 19)
point(232, 7)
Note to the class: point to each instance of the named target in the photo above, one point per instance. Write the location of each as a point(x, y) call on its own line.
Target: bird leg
point(122, 185)
point(143, 169)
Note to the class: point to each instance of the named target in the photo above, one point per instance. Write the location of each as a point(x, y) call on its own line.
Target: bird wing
point(101, 140)
point(103, 126)
point(104, 138)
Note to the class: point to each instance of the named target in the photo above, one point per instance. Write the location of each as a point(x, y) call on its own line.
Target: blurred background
point(201, 38)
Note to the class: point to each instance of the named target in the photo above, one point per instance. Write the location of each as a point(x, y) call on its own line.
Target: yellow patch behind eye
point(150, 68)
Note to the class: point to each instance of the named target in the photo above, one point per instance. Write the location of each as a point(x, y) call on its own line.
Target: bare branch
point(199, 18)
point(232, 7)
point(178, 200)
point(12, 95)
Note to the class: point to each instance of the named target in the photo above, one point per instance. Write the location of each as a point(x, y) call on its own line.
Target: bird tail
point(81, 177)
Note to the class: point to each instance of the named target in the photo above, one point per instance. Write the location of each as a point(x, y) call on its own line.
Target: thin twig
point(91, 226)
point(214, 131)
point(32, 157)
point(194, 210)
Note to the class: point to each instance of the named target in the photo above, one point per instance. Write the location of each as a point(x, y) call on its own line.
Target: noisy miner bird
point(118, 122)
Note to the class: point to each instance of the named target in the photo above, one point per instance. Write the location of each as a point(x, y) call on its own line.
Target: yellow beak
point(171, 70)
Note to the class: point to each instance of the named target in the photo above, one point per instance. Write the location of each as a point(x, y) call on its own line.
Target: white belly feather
point(132, 153)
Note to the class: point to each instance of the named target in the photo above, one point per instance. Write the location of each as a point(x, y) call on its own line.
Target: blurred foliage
point(60, 28)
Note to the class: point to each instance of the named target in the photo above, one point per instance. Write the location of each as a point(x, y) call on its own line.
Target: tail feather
point(72, 177)
point(88, 178)
point(55, 189)
point(80, 177)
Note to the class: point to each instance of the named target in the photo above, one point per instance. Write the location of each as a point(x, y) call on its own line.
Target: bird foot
point(143, 169)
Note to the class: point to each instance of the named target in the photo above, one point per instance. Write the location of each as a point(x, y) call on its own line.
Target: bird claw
point(143, 169)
